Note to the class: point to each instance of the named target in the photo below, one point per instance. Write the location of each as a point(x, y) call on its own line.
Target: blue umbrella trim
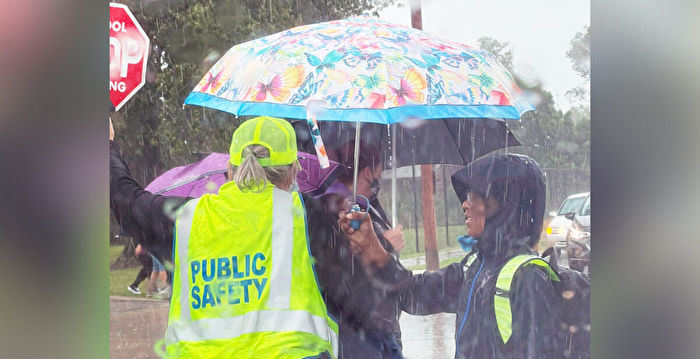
point(381, 116)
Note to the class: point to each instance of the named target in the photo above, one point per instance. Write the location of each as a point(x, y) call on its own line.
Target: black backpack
point(575, 290)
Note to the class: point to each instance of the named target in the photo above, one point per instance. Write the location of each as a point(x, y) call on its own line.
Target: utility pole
point(415, 202)
point(432, 261)
point(444, 192)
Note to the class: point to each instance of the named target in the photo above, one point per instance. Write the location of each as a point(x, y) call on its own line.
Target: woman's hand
point(395, 237)
point(363, 240)
point(111, 130)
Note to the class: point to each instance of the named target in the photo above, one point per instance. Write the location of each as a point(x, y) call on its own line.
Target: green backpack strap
point(468, 260)
point(501, 300)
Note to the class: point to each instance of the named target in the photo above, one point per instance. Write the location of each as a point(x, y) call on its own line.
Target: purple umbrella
point(207, 175)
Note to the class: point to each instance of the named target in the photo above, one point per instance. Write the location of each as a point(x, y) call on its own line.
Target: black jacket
point(517, 183)
point(354, 341)
point(355, 296)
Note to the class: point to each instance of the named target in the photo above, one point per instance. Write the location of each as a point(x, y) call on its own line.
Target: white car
point(555, 233)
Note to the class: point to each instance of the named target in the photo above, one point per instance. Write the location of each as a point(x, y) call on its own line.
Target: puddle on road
point(429, 337)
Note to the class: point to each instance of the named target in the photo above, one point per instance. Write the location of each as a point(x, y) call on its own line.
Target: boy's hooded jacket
point(517, 183)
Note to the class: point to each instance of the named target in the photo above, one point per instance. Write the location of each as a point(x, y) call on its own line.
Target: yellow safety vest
point(244, 284)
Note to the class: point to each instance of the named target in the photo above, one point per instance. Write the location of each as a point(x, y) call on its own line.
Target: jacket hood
point(517, 183)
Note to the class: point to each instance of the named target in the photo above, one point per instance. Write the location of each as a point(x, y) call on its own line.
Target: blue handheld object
point(355, 223)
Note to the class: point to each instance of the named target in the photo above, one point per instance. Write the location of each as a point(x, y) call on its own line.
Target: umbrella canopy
point(207, 175)
point(359, 69)
point(448, 141)
point(194, 179)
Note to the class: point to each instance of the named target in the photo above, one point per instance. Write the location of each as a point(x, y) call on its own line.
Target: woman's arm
point(425, 293)
point(433, 292)
point(364, 297)
point(146, 217)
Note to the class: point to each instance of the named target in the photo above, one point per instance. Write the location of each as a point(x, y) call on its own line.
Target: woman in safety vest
point(244, 282)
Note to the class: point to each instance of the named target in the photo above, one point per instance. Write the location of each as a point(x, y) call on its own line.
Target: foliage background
point(156, 133)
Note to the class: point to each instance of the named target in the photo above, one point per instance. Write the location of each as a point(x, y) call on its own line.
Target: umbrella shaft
point(393, 175)
point(357, 162)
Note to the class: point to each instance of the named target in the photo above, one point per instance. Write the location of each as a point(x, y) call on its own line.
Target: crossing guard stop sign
point(128, 55)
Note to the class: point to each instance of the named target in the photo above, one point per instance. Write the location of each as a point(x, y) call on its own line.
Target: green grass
point(114, 252)
point(119, 279)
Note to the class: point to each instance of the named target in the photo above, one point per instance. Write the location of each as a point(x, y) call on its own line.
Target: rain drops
point(532, 97)
point(211, 58)
point(412, 122)
point(529, 76)
point(168, 265)
point(567, 146)
point(567, 294)
point(170, 209)
point(315, 108)
point(211, 187)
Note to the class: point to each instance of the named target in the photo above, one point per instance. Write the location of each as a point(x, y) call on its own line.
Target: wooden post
point(416, 15)
point(432, 260)
point(444, 192)
point(415, 202)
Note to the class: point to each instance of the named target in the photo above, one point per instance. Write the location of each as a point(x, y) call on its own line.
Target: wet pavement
point(428, 337)
point(137, 324)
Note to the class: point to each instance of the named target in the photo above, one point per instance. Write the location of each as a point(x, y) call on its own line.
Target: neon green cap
point(275, 134)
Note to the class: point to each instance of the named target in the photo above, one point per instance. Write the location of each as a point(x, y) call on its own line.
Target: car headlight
point(556, 230)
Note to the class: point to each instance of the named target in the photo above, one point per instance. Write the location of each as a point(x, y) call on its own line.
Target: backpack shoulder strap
point(468, 260)
point(501, 299)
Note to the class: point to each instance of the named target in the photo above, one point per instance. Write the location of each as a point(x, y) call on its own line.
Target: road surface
point(137, 324)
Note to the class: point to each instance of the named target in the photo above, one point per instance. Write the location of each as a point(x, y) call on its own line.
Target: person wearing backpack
point(503, 295)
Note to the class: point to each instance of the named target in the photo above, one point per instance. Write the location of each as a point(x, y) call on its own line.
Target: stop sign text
point(128, 55)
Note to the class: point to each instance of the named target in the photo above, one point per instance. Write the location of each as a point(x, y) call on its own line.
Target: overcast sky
point(539, 32)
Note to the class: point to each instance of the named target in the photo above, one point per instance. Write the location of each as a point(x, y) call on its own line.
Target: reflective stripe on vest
point(278, 317)
point(501, 300)
point(282, 245)
point(252, 322)
point(185, 225)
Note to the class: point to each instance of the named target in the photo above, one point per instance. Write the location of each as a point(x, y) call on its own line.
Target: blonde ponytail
point(251, 176)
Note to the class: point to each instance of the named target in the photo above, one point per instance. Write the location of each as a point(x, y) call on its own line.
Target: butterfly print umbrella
point(361, 70)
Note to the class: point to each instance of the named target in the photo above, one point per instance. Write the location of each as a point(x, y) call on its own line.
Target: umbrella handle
point(355, 223)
